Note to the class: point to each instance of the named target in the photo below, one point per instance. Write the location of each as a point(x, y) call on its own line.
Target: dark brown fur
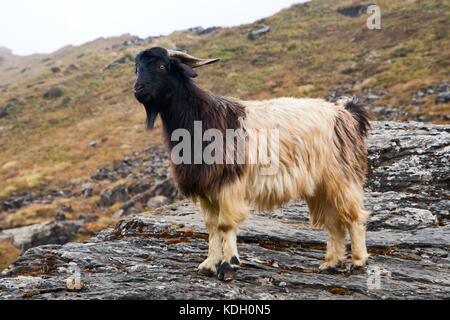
point(164, 86)
point(350, 133)
point(215, 112)
point(361, 115)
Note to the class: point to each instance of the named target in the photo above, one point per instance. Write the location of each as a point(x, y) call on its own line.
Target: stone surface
point(108, 197)
point(258, 31)
point(157, 201)
point(201, 31)
point(58, 232)
point(353, 11)
point(155, 256)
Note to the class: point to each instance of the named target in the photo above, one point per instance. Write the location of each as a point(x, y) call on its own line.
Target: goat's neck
point(185, 107)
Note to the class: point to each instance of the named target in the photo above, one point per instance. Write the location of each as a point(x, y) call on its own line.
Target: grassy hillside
point(57, 104)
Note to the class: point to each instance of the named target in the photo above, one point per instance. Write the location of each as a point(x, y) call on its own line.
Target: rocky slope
point(138, 176)
point(154, 256)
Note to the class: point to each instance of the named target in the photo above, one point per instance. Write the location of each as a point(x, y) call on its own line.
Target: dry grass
point(7, 253)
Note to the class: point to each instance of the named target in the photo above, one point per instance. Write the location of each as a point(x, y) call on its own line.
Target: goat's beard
point(151, 116)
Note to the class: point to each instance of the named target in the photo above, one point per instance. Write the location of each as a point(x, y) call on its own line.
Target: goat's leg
point(324, 215)
point(211, 215)
point(357, 232)
point(336, 245)
point(233, 212)
point(230, 262)
point(356, 217)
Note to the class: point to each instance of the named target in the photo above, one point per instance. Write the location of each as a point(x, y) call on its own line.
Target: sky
point(31, 26)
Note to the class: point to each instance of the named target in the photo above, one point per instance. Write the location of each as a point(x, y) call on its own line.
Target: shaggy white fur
point(321, 157)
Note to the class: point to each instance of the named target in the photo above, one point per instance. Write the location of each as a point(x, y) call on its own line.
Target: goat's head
point(158, 72)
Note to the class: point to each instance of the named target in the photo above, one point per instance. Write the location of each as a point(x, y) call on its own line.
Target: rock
point(139, 188)
point(175, 48)
point(443, 97)
point(123, 60)
point(157, 201)
point(3, 112)
point(166, 188)
point(444, 86)
point(211, 30)
point(53, 93)
point(12, 203)
point(156, 256)
point(55, 69)
point(94, 143)
point(410, 158)
point(201, 31)
point(119, 214)
point(103, 173)
point(258, 31)
point(59, 216)
point(442, 90)
point(83, 182)
point(261, 31)
point(65, 208)
point(114, 46)
point(86, 192)
point(373, 96)
point(424, 118)
point(353, 11)
point(197, 30)
point(72, 67)
point(123, 169)
point(53, 232)
point(108, 197)
point(89, 218)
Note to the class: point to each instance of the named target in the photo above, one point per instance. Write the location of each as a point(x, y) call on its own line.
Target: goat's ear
point(188, 71)
point(189, 60)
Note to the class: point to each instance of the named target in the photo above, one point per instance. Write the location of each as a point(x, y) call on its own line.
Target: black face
point(157, 78)
point(152, 70)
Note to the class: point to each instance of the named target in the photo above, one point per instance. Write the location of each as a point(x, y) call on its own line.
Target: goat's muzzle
point(138, 89)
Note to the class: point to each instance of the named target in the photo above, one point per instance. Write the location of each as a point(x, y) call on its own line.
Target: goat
point(321, 148)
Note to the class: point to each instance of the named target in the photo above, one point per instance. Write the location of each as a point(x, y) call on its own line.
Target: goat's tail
point(360, 114)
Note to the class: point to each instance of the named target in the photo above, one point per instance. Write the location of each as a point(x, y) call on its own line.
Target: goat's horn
point(191, 61)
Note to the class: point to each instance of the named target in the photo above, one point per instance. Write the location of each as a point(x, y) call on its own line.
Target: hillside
point(66, 114)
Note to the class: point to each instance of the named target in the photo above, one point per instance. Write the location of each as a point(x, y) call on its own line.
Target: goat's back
point(309, 149)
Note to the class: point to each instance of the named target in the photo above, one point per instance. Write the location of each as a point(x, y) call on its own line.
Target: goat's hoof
point(355, 269)
point(227, 271)
point(207, 272)
point(208, 268)
point(325, 268)
point(330, 270)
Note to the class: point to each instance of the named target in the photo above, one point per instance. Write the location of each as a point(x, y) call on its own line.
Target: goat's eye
point(162, 67)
